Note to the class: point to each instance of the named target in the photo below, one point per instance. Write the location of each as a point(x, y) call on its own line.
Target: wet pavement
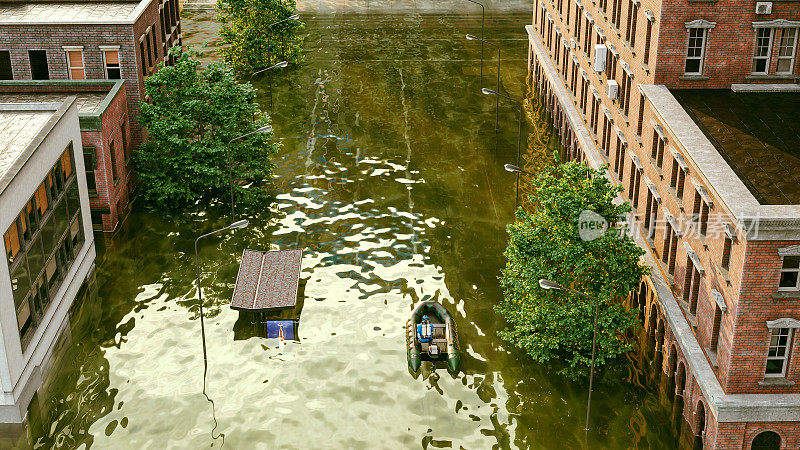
point(391, 179)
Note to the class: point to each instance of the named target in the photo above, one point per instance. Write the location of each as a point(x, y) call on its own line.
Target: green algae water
point(391, 179)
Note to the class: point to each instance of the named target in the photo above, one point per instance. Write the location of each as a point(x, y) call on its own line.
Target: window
point(670, 247)
point(113, 70)
point(761, 53)
point(5, 65)
point(647, 39)
point(149, 49)
point(778, 353)
point(112, 153)
point(726, 252)
point(75, 65)
point(124, 141)
point(789, 274)
point(695, 50)
point(39, 234)
point(616, 13)
point(640, 119)
point(715, 327)
point(142, 56)
point(657, 152)
point(155, 47)
point(680, 184)
point(691, 287)
point(90, 163)
point(625, 94)
point(701, 211)
point(39, 70)
point(786, 50)
point(630, 33)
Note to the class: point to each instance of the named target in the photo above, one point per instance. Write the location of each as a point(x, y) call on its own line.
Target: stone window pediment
point(700, 23)
point(793, 250)
point(783, 322)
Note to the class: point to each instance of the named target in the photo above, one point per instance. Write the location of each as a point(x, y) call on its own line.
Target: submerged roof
point(70, 12)
point(757, 134)
point(18, 128)
point(267, 280)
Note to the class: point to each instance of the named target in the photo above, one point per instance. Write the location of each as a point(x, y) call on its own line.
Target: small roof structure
point(267, 280)
point(19, 126)
point(71, 12)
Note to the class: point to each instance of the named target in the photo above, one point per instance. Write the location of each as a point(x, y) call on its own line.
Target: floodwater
point(391, 181)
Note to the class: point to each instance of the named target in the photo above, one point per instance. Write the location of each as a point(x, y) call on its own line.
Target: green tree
point(249, 43)
point(190, 117)
point(556, 326)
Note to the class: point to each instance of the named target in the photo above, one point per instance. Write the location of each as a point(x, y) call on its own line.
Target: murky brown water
point(392, 181)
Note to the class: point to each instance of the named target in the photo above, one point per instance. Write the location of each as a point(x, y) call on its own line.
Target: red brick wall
point(756, 307)
point(18, 39)
point(21, 38)
point(729, 46)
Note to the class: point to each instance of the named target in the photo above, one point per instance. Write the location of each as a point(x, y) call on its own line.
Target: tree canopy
point(190, 117)
point(249, 43)
point(545, 243)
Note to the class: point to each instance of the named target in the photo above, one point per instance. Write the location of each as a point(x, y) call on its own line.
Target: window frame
point(790, 57)
point(703, 43)
point(105, 50)
point(70, 67)
point(795, 270)
point(766, 58)
point(776, 332)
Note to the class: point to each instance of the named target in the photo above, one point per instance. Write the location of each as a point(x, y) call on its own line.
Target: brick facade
point(101, 130)
point(18, 39)
point(713, 278)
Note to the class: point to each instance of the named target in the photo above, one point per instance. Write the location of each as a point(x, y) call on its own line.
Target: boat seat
point(438, 330)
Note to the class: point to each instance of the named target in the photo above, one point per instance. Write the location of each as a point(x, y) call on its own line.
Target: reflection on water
point(392, 181)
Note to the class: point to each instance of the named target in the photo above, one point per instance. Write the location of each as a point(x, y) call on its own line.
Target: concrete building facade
point(105, 132)
point(48, 243)
point(720, 224)
point(89, 40)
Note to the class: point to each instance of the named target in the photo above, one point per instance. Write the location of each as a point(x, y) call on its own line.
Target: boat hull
point(440, 318)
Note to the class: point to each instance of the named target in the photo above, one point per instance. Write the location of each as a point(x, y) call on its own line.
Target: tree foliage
point(553, 326)
point(191, 116)
point(249, 43)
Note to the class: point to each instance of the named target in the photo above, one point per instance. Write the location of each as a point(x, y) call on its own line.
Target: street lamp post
point(517, 170)
point(269, 41)
point(233, 226)
point(264, 129)
point(274, 66)
point(488, 91)
point(547, 284)
point(483, 17)
point(497, 87)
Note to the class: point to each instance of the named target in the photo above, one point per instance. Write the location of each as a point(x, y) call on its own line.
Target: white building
point(48, 243)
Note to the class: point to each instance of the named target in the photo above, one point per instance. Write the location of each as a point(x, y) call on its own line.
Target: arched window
point(767, 440)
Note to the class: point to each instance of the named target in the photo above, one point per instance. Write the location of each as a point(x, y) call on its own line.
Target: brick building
point(88, 40)
point(105, 133)
point(713, 176)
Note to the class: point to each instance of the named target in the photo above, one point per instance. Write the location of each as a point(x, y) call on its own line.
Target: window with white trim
point(762, 50)
point(786, 50)
point(75, 65)
point(695, 50)
point(790, 274)
point(111, 59)
point(778, 353)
